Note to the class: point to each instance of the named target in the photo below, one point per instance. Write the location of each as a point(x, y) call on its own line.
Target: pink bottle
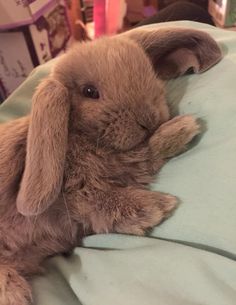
point(99, 16)
point(107, 16)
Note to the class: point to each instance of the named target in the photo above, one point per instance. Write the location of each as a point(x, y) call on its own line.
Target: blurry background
point(34, 31)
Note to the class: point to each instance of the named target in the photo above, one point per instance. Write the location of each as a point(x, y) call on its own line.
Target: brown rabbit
point(98, 132)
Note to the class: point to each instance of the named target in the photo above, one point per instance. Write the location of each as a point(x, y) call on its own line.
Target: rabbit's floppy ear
point(173, 51)
point(46, 148)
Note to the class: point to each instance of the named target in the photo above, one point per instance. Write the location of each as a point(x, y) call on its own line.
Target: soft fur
point(79, 165)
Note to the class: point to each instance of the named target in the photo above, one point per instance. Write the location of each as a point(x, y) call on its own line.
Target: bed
point(190, 258)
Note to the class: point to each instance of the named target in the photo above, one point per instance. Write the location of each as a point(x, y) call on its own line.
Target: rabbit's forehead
point(109, 61)
point(121, 56)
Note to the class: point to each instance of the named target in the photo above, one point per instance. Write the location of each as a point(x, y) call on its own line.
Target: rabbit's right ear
point(46, 148)
point(174, 51)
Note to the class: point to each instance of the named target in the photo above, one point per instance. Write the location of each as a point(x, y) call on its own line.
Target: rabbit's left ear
point(46, 148)
point(174, 51)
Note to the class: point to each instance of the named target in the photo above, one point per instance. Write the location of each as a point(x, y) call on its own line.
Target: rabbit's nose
point(144, 127)
point(149, 122)
point(148, 127)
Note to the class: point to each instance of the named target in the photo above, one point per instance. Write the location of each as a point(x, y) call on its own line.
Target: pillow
point(118, 269)
point(204, 177)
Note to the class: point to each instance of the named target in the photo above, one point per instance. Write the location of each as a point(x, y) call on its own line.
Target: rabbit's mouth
point(125, 138)
point(149, 128)
point(125, 129)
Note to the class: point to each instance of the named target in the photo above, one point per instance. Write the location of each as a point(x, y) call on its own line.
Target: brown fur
point(79, 165)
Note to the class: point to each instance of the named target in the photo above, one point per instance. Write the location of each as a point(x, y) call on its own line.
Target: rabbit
point(98, 132)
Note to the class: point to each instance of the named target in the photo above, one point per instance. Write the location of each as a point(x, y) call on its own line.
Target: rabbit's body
point(97, 134)
point(90, 173)
point(99, 187)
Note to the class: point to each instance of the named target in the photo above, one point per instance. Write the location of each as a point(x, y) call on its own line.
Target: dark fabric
point(180, 11)
point(164, 3)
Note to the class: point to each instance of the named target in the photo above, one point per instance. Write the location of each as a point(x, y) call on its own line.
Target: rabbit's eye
point(90, 91)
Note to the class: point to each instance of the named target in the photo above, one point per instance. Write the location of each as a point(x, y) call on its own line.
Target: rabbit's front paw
point(149, 210)
point(186, 126)
point(173, 136)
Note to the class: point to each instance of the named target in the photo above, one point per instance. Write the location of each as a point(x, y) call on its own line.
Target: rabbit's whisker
point(34, 223)
point(68, 214)
point(98, 139)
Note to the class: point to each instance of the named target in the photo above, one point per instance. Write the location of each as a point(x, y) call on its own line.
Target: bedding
point(190, 258)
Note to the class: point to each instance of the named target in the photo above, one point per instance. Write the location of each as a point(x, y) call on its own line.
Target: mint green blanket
point(190, 258)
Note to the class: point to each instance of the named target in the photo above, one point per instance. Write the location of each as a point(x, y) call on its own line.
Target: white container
point(15, 13)
point(24, 48)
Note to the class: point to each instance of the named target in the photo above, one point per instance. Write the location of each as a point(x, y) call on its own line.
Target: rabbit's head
point(110, 91)
point(116, 99)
